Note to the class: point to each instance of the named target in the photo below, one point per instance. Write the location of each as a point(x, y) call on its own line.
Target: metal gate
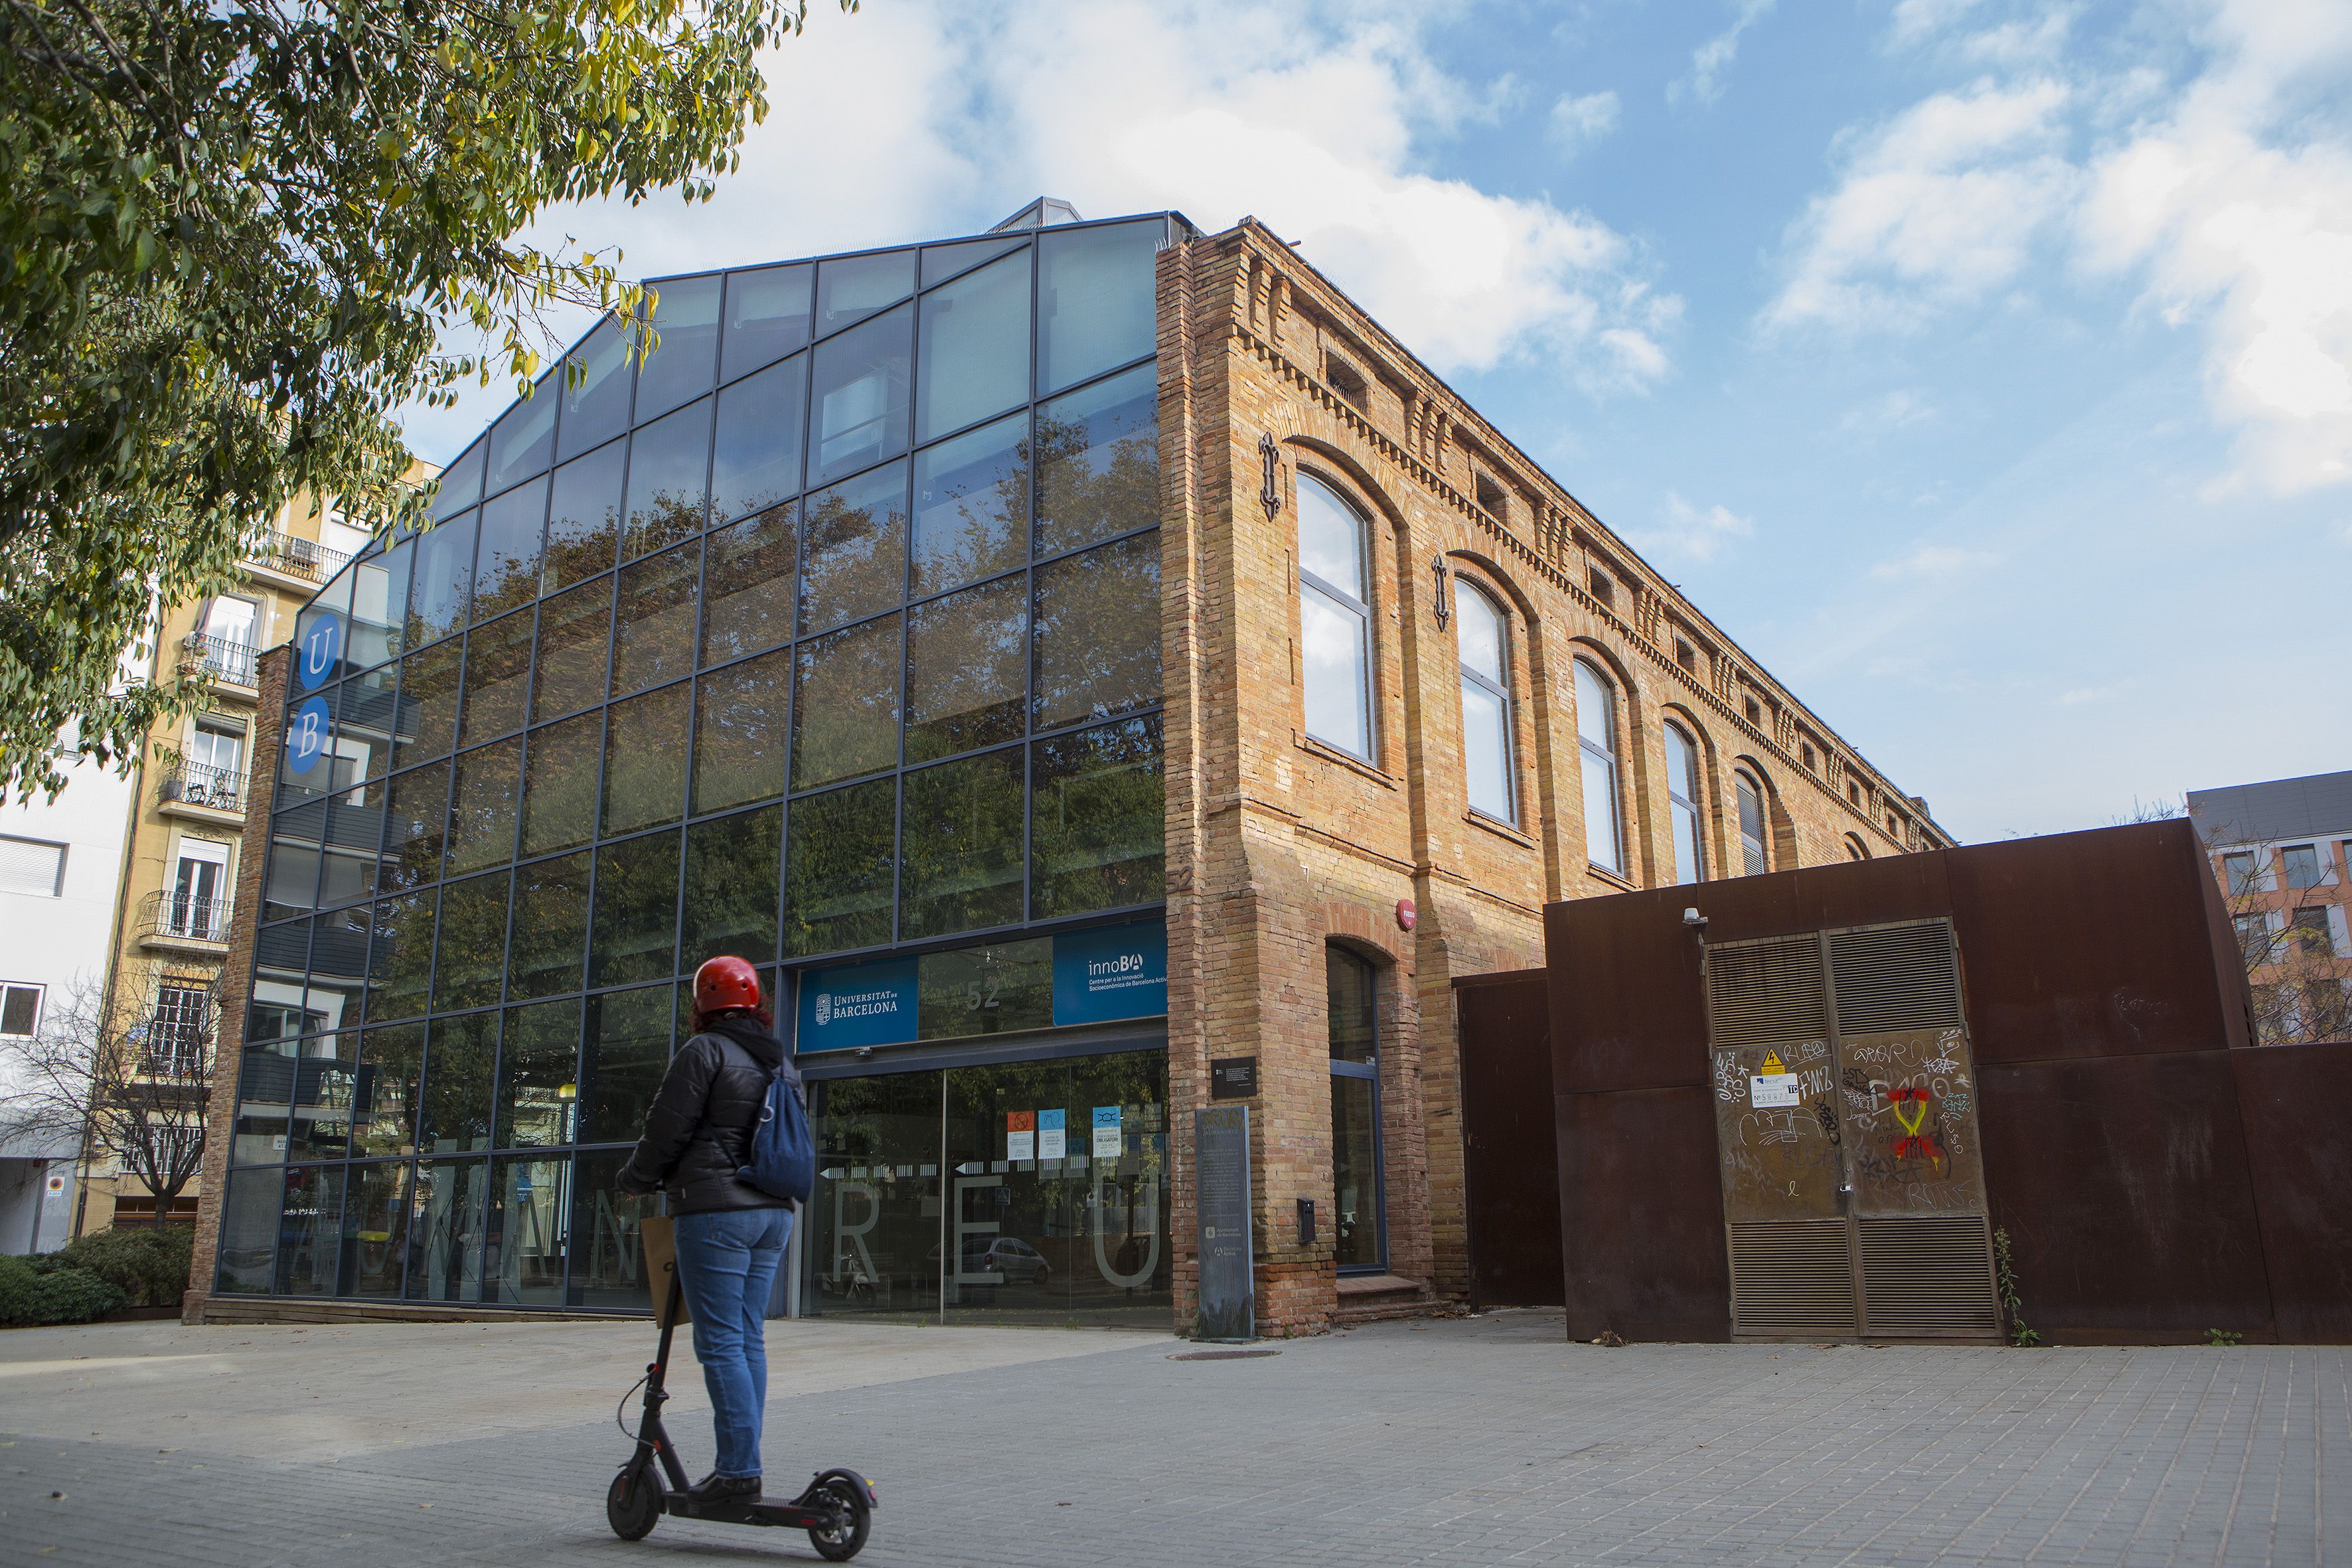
point(1845, 1121)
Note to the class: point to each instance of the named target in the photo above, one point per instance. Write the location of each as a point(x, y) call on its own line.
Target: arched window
point(1752, 860)
point(1484, 639)
point(1596, 739)
point(1682, 799)
point(1855, 849)
point(1358, 1222)
point(1335, 621)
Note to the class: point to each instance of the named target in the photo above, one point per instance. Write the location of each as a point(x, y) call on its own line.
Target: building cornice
point(1417, 454)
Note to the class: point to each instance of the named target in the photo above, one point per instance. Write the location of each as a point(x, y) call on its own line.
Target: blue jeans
point(727, 1262)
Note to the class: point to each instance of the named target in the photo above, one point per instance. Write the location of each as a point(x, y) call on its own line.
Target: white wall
point(54, 942)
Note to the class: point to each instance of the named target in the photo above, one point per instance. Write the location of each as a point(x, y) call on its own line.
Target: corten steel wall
point(2157, 1178)
point(1640, 1205)
point(2103, 996)
point(1510, 1154)
point(2293, 1100)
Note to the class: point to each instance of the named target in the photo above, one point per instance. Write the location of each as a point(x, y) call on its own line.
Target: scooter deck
point(737, 1511)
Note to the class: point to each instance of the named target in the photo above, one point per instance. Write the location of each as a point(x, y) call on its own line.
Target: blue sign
point(306, 735)
point(863, 1005)
point(321, 650)
point(1112, 971)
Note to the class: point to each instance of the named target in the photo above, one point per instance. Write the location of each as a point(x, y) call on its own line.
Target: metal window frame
point(1681, 796)
point(362, 1019)
point(1744, 787)
point(1502, 693)
point(1588, 747)
point(1346, 603)
point(1367, 1072)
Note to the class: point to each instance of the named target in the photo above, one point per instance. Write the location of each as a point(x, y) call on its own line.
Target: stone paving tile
point(1481, 1442)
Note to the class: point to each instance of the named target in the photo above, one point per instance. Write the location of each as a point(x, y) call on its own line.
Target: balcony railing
point(200, 784)
point(299, 557)
point(174, 1061)
point(168, 913)
point(221, 658)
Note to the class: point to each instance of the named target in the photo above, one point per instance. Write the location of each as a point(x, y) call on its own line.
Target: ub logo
point(823, 1008)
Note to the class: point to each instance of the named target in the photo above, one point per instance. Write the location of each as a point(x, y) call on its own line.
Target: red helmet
point(725, 981)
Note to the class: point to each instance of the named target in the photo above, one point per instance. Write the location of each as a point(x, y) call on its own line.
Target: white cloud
point(1689, 533)
point(2237, 215)
point(2082, 694)
point(929, 118)
point(2226, 195)
point(2038, 33)
point(1916, 21)
point(1713, 57)
point(1895, 411)
point(1937, 207)
point(2027, 40)
point(1925, 560)
point(1579, 121)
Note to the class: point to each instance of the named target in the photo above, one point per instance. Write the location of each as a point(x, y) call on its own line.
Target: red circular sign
point(1406, 914)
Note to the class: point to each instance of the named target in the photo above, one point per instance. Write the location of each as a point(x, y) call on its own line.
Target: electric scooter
point(836, 1509)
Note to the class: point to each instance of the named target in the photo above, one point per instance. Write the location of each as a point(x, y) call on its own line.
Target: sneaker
point(716, 1487)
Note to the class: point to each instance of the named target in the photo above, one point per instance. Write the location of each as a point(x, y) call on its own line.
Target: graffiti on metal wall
point(1910, 1101)
point(1779, 1151)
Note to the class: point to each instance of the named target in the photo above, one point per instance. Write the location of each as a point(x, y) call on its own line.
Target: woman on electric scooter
point(730, 1235)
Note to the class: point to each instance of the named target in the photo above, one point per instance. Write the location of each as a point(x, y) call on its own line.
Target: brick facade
point(1279, 845)
point(220, 1112)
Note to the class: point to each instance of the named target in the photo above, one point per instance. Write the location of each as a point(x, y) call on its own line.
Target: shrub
point(148, 1267)
point(44, 1291)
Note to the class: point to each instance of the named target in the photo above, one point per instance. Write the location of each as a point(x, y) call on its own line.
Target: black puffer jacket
point(698, 1132)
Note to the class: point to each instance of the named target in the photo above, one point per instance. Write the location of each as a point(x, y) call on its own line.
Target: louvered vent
point(1896, 977)
point(1792, 1279)
point(1765, 993)
point(1928, 1277)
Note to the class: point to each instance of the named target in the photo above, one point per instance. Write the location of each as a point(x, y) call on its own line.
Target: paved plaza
point(1484, 1440)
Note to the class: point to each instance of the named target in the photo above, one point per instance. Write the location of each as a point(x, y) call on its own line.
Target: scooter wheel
point(853, 1520)
point(633, 1504)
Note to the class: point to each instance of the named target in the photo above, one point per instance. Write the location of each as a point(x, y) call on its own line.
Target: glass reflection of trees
point(591, 698)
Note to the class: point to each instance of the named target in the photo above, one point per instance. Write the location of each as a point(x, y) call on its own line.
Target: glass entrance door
point(1360, 1221)
point(1019, 1192)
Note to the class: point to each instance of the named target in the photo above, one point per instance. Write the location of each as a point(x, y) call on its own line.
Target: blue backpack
point(784, 1151)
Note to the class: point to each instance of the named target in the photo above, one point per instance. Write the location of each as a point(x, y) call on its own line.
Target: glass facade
point(826, 634)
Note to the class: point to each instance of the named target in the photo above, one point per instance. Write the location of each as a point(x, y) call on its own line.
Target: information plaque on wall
point(1221, 1214)
point(1233, 1077)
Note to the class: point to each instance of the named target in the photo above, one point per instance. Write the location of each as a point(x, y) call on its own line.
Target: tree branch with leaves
point(234, 241)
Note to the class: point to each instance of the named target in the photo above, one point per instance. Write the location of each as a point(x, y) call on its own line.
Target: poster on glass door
point(1049, 1135)
point(1020, 1135)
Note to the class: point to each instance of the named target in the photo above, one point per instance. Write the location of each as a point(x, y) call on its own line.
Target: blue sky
point(1984, 368)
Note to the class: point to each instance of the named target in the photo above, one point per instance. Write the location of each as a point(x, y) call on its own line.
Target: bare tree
point(2302, 990)
point(122, 1071)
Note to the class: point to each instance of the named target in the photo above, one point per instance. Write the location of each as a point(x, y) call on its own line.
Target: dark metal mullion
point(905, 645)
point(1380, 1134)
point(602, 708)
point(1096, 379)
point(1025, 236)
point(1074, 727)
point(1029, 618)
point(1052, 559)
